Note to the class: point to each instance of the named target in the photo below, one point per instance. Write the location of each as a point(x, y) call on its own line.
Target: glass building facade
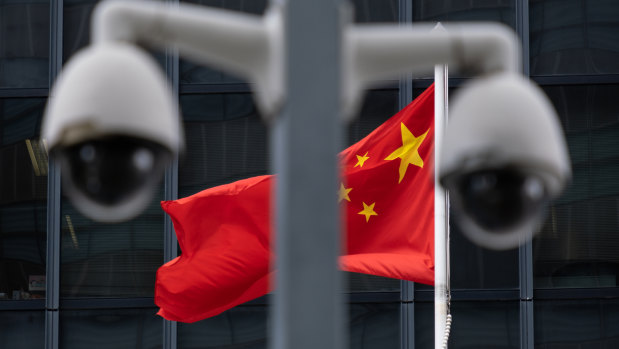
point(69, 282)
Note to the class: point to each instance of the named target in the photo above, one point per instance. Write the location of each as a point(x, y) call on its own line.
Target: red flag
point(387, 195)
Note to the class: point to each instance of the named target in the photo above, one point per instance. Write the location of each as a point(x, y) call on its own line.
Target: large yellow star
point(361, 159)
point(368, 211)
point(408, 152)
point(343, 193)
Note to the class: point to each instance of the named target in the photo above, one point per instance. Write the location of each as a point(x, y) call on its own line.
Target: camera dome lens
point(112, 170)
point(500, 199)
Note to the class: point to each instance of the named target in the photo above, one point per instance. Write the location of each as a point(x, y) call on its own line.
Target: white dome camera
point(504, 158)
point(113, 125)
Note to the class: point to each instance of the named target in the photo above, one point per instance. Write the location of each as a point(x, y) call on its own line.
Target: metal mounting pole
point(308, 304)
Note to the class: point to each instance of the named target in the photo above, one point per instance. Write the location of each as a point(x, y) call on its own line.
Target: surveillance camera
point(503, 159)
point(113, 125)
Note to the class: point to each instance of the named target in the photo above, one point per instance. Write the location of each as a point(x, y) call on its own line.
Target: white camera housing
point(112, 91)
point(502, 170)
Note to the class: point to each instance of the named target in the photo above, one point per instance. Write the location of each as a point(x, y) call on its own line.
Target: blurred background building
point(560, 291)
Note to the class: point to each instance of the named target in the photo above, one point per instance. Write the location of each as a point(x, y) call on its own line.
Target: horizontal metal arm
point(379, 52)
point(251, 46)
point(248, 45)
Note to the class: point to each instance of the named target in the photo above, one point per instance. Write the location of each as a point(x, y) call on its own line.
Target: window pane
point(240, 327)
point(110, 328)
point(576, 324)
point(574, 37)
point(24, 43)
point(474, 267)
point(373, 11)
point(23, 199)
point(110, 260)
point(578, 245)
point(475, 10)
point(194, 73)
point(374, 326)
point(225, 139)
point(75, 25)
point(479, 325)
point(22, 329)
point(371, 326)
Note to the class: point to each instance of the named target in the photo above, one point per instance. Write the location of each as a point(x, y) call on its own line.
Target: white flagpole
point(442, 316)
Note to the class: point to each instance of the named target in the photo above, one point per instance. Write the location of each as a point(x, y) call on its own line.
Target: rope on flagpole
point(447, 330)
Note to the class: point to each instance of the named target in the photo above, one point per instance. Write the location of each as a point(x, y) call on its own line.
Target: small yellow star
point(368, 210)
point(343, 193)
point(408, 152)
point(361, 159)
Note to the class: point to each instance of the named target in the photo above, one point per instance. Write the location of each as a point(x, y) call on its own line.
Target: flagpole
point(442, 316)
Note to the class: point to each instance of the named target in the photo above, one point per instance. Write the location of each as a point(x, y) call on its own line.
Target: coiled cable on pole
point(447, 330)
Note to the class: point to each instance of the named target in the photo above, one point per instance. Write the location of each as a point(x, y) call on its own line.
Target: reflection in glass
point(110, 260)
point(225, 141)
point(239, 327)
point(22, 329)
point(476, 325)
point(373, 11)
point(503, 11)
point(76, 25)
point(574, 37)
point(370, 326)
point(23, 199)
point(576, 324)
point(577, 246)
point(474, 267)
point(110, 328)
point(24, 43)
point(374, 325)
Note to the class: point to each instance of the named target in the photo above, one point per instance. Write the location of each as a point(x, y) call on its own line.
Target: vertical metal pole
point(52, 278)
point(441, 254)
point(407, 288)
point(170, 243)
point(525, 251)
point(305, 138)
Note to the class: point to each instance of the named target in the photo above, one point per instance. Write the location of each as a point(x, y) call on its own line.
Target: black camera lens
point(497, 200)
point(111, 170)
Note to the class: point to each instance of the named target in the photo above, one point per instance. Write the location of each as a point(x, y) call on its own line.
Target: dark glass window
point(23, 199)
point(22, 329)
point(195, 73)
point(479, 324)
point(239, 327)
point(574, 37)
point(503, 11)
point(576, 324)
point(225, 141)
point(577, 247)
point(370, 326)
point(110, 328)
point(373, 11)
point(110, 260)
point(24, 43)
point(374, 325)
point(474, 267)
point(76, 25)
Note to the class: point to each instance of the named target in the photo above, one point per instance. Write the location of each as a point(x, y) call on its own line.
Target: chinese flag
point(386, 194)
